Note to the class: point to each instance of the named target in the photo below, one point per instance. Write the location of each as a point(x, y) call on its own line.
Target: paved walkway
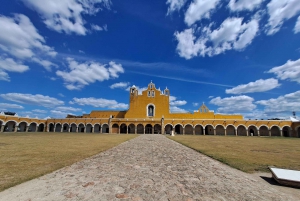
point(149, 167)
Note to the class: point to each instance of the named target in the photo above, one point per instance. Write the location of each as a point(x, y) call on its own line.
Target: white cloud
point(60, 114)
point(290, 70)
point(234, 104)
point(45, 63)
point(239, 5)
point(175, 109)
point(174, 103)
point(279, 12)
point(39, 111)
point(121, 85)
point(297, 26)
point(232, 34)
point(257, 86)
point(82, 74)
point(98, 28)
point(5, 106)
point(199, 9)
point(82, 52)
point(99, 102)
point(67, 15)
point(61, 95)
point(8, 64)
point(19, 38)
point(195, 104)
point(283, 105)
point(68, 109)
point(30, 99)
point(175, 5)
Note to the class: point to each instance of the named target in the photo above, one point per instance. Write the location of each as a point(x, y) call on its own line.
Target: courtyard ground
point(24, 156)
point(249, 154)
point(149, 167)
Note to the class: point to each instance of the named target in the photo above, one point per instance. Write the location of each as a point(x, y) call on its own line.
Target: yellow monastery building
point(149, 113)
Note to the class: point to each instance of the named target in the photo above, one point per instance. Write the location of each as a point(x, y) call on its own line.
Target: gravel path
point(149, 167)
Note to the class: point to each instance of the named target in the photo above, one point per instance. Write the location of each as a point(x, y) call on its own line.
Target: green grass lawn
point(24, 156)
point(249, 154)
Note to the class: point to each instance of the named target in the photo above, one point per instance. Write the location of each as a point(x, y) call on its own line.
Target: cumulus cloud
point(121, 85)
point(290, 71)
point(297, 26)
point(20, 38)
point(240, 5)
point(175, 5)
point(67, 15)
point(5, 106)
point(195, 104)
point(30, 99)
point(98, 28)
point(10, 65)
point(280, 11)
point(199, 9)
point(233, 33)
point(257, 86)
point(283, 105)
point(99, 102)
point(82, 74)
point(234, 104)
point(174, 103)
point(175, 109)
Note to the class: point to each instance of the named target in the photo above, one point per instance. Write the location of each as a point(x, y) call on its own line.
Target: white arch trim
point(231, 125)
point(265, 126)
point(188, 125)
point(242, 126)
point(209, 125)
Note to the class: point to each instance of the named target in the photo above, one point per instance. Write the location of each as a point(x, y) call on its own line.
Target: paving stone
point(149, 167)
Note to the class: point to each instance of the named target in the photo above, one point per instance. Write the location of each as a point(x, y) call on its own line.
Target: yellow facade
point(149, 113)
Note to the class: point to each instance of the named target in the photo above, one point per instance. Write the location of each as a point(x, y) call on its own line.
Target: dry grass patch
point(24, 156)
point(249, 154)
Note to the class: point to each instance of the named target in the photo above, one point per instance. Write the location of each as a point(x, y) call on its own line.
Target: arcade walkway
point(149, 167)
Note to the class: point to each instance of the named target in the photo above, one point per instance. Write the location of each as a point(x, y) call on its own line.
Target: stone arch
point(58, 127)
point(263, 130)
point(131, 128)
point(89, 128)
point(115, 128)
point(275, 131)
point(150, 109)
point(209, 130)
point(73, 128)
point(198, 130)
point(51, 127)
point(81, 128)
point(140, 129)
point(22, 126)
point(148, 129)
point(168, 128)
point(65, 127)
point(41, 127)
point(97, 128)
point(230, 130)
point(157, 129)
point(32, 127)
point(105, 128)
point(123, 129)
point(10, 126)
point(241, 130)
point(220, 130)
point(188, 129)
point(286, 131)
point(252, 130)
point(178, 129)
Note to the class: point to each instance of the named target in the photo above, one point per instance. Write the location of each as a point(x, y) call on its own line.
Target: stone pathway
point(149, 167)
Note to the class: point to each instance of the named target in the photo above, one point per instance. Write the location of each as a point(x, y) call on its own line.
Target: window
point(150, 86)
point(149, 93)
point(150, 111)
point(153, 93)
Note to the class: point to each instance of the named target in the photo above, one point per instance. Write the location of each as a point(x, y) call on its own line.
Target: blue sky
point(74, 56)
